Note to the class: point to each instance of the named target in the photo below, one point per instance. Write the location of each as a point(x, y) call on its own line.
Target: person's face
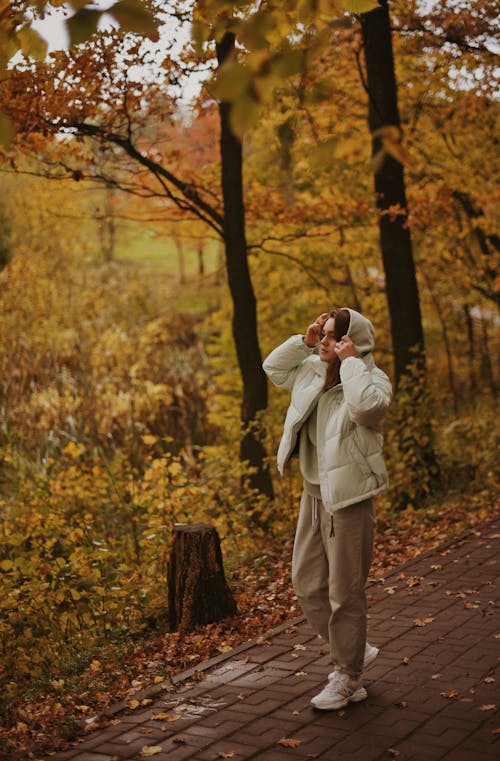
point(328, 342)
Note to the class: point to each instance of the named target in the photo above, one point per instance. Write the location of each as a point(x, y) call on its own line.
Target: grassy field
point(138, 243)
point(158, 256)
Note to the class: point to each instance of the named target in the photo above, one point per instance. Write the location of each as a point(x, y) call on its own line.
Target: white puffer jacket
point(350, 415)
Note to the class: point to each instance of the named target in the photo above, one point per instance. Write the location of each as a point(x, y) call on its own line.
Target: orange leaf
point(289, 742)
point(423, 621)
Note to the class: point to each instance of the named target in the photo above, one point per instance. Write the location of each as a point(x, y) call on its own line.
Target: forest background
point(121, 400)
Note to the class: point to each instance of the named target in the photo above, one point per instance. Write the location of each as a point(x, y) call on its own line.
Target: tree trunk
point(198, 593)
point(471, 351)
point(180, 260)
point(242, 294)
point(395, 239)
point(201, 259)
point(413, 412)
point(446, 343)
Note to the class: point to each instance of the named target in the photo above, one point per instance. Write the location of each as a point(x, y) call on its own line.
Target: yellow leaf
point(360, 6)
point(243, 115)
point(133, 16)
point(133, 704)
point(233, 80)
point(83, 25)
point(165, 717)
point(31, 43)
point(151, 750)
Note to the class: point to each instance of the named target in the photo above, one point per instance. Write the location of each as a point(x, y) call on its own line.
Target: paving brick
point(247, 702)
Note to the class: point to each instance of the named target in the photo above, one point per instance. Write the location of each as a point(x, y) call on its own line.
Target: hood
point(361, 332)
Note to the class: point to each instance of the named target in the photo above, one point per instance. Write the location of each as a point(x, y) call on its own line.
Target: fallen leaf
point(423, 621)
point(312, 755)
point(165, 717)
point(489, 679)
point(437, 567)
point(300, 673)
point(436, 676)
point(394, 752)
point(145, 730)
point(406, 660)
point(295, 713)
point(340, 713)
point(450, 694)
point(133, 704)
point(151, 750)
point(299, 647)
point(289, 742)
point(495, 731)
point(488, 707)
point(226, 753)
point(414, 581)
point(390, 590)
point(178, 740)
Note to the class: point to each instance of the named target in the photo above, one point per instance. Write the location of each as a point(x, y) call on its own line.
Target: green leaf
point(134, 16)
point(83, 25)
point(7, 130)
point(243, 115)
point(360, 6)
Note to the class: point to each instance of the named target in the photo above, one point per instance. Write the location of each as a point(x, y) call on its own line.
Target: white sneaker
point(371, 653)
point(340, 690)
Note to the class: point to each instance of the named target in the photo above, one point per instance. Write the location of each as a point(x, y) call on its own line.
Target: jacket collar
point(319, 367)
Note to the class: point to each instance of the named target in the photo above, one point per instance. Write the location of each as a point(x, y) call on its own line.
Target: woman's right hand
point(313, 332)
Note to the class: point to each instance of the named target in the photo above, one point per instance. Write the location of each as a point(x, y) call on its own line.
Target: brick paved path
point(432, 692)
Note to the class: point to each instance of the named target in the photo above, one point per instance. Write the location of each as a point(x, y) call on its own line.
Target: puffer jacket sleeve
point(368, 392)
point(282, 364)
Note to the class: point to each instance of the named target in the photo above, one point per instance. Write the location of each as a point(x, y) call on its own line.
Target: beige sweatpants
point(329, 571)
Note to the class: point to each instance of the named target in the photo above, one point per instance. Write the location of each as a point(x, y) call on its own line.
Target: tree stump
point(198, 593)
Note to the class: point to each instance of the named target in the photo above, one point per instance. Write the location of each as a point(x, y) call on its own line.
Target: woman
point(339, 400)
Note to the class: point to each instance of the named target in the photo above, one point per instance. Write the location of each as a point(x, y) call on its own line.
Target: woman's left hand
point(345, 348)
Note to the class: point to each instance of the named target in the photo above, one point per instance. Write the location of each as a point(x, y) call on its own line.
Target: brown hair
point(342, 321)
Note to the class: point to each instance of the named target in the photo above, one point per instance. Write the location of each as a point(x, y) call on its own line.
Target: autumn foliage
point(119, 389)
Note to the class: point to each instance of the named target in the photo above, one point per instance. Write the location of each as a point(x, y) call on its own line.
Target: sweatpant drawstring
point(314, 511)
point(332, 529)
